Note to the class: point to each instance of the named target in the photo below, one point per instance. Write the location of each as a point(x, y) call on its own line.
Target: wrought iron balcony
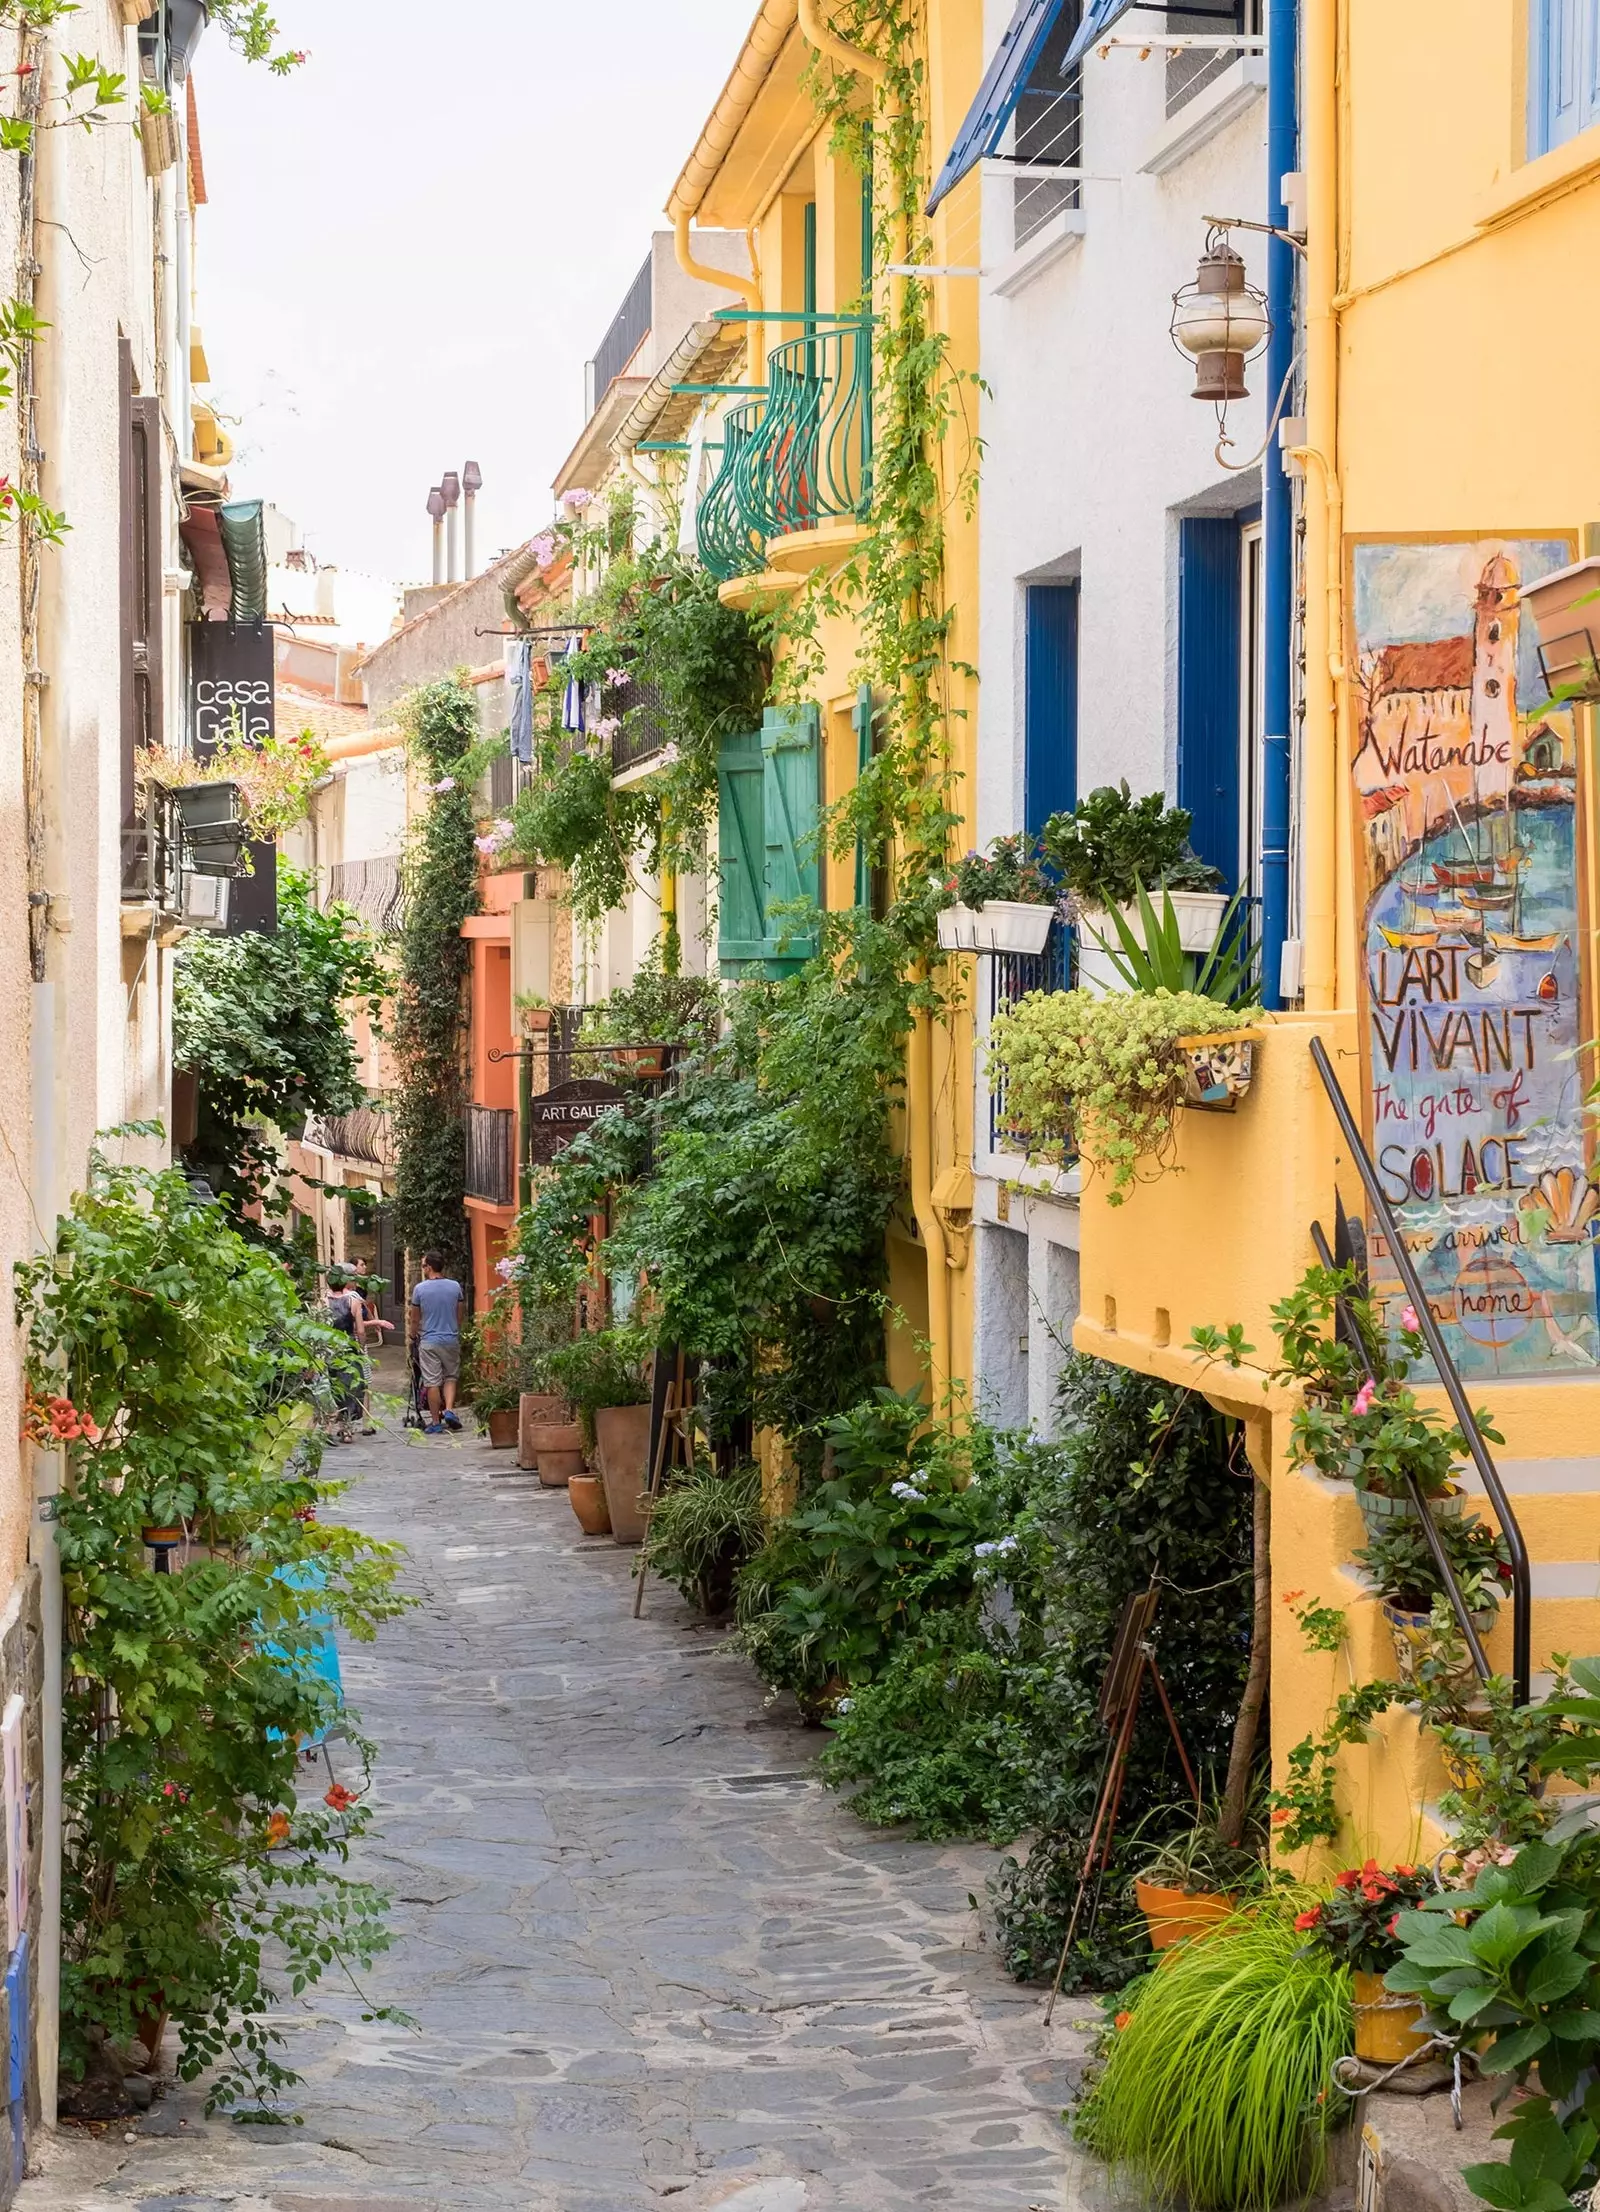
point(491, 1165)
point(365, 1135)
point(800, 457)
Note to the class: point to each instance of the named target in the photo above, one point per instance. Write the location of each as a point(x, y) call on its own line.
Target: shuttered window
point(1208, 687)
point(140, 575)
point(1563, 71)
point(1050, 702)
point(769, 801)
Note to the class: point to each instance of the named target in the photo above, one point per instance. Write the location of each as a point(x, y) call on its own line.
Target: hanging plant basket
point(999, 925)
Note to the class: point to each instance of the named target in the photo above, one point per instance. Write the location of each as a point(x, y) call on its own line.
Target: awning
point(1101, 16)
point(244, 541)
point(1001, 89)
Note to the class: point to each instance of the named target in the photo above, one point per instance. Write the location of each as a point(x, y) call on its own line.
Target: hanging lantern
point(1222, 321)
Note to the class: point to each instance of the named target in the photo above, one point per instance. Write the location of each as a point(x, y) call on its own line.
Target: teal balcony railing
point(798, 458)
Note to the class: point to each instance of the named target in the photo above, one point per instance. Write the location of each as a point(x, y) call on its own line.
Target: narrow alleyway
point(652, 1960)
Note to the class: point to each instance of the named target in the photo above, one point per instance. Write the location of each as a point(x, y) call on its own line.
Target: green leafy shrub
point(601, 1368)
point(1111, 845)
point(1216, 2090)
point(190, 1861)
point(703, 1529)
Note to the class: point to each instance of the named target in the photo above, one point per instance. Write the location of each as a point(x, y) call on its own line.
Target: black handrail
point(1430, 1528)
point(1454, 1388)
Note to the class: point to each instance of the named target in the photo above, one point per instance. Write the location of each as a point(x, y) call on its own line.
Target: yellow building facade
point(1445, 805)
point(799, 154)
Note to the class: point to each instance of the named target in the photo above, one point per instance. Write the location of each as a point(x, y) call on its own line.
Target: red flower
point(1394, 1925)
point(277, 1830)
point(1280, 1816)
point(1348, 1879)
point(1311, 1919)
point(1122, 2019)
point(1405, 1870)
point(340, 1798)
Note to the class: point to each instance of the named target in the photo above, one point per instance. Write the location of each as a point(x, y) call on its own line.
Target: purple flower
point(543, 548)
point(486, 845)
point(505, 1269)
point(617, 678)
point(445, 783)
point(575, 501)
point(607, 725)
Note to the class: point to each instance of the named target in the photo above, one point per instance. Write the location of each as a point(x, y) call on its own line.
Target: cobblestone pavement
point(653, 1962)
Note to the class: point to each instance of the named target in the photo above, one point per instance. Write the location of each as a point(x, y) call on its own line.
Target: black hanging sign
point(232, 673)
point(558, 1115)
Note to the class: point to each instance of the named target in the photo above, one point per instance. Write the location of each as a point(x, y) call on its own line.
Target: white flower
point(907, 1490)
point(670, 755)
point(982, 1551)
point(844, 1705)
point(445, 783)
point(505, 1269)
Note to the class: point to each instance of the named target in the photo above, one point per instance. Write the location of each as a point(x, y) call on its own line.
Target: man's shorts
point(440, 1363)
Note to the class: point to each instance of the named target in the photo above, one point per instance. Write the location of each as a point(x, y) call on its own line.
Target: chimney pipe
point(450, 489)
point(471, 484)
point(436, 510)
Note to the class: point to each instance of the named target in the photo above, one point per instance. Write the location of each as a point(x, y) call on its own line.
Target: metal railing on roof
point(365, 1134)
point(629, 328)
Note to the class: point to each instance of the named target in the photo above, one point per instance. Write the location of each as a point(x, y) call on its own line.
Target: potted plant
point(494, 1401)
point(653, 1012)
point(997, 902)
point(1356, 1926)
point(604, 1375)
point(587, 1496)
point(1102, 1075)
point(1192, 1882)
point(1400, 1562)
point(1111, 846)
point(703, 1529)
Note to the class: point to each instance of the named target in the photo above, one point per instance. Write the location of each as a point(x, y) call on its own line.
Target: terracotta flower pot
point(556, 1469)
point(536, 1407)
point(1388, 2029)
point(588, 1495)
point(623, 1436)
point(1174, 1915)
point(503, 1427)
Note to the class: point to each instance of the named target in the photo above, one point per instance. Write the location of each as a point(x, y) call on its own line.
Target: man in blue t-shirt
point(434, 1314)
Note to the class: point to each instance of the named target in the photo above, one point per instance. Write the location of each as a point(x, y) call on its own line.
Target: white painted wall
point(1093, 449)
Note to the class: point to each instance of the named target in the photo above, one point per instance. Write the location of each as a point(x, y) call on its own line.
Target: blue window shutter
point(1208, 687)
point(1563, 71)
point(1050, 703)
point(997, 96)
point(741, 855)
point(791, 805)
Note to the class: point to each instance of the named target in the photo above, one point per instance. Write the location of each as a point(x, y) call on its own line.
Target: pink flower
point(575, 501)
point(543, 548)
point(445, 783)
point(487, 845)
point(505, 1269)
point(1409, 1321)
point(1363, 1398)
point(617, 678)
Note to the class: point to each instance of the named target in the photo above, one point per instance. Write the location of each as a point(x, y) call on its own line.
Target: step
point(1540, 1477)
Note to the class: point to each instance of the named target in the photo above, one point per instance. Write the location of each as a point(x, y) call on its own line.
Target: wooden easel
point(1132, 1658)
point(671, 1439)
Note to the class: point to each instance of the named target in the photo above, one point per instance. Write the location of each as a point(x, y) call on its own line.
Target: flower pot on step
point(1174, 1915)
point(1380, 1513)
point(1388, 2029)
point(503, 1425)
point(536, 1407)
point(557, 1451)
point(1414, 1641)
point(588, 1496)
point(623, 1436)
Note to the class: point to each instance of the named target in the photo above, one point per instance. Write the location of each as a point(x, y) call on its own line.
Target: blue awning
point(1098, 18)
point(1001, 89)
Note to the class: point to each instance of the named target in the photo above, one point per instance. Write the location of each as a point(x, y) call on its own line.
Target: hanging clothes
point(519, 688)
point(689, 517)
point(572, 715)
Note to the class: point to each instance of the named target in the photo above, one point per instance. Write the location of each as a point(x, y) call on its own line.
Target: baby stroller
point(416, 1416)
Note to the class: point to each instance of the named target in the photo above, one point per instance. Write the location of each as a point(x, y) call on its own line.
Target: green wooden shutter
point(741, 855)
point(791, 760)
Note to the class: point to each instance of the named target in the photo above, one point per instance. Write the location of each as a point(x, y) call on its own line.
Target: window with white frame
point(1563, 71)
point(1047, 132)
point(1191, 68)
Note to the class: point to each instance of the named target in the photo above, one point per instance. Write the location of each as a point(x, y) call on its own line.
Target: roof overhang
point(586, 464)
point(708, 353)
point(762, 118)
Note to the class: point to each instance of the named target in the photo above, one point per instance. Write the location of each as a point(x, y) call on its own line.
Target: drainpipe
point(827, 41)
point(919, 1132)
point(1278, 506)
point(1324, 516)
point(726, 280)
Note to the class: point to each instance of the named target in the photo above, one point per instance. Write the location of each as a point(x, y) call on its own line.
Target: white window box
point(1211, 110)
point(1043, 250)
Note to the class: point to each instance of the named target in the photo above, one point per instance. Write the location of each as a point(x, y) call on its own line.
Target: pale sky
point(413, 245)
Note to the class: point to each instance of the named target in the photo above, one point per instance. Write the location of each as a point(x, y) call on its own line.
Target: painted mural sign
point(1475, 1018)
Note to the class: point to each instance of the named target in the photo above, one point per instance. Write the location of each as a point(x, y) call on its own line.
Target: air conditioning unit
point(204, 900)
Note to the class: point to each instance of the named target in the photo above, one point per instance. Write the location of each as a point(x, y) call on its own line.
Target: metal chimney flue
point(436, 512)
point(450, 488)
point(471, 484)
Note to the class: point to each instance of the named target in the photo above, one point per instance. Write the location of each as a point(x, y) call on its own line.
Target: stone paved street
point(652, 1960)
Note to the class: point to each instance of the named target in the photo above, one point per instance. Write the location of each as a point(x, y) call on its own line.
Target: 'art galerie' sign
point(1466, 779)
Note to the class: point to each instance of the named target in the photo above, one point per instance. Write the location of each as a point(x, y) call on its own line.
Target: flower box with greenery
point(1358, 1925)
point(1102, 1076)
point(1112, 846)
point(274, 778)
point(1001, 902)
point(660, 1008)
point(195, 1877)
point(703, 1528)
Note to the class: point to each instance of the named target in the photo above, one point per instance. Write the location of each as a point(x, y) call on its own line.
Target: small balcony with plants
point(794, 483)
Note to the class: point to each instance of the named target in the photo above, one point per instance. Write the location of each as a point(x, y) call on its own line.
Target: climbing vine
point(441, 889)
point(924, 462)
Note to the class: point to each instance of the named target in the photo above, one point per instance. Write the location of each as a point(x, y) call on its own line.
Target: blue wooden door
point(1050, 703)
point(1208, 687)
